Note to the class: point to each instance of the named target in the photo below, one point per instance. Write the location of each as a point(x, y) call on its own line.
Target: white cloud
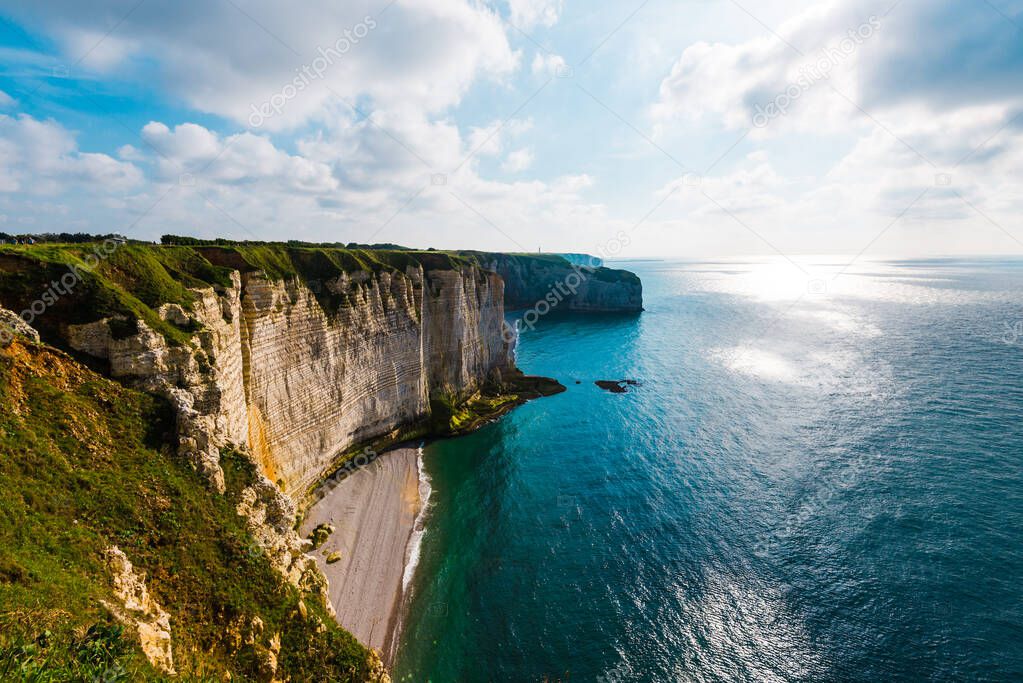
point(242, 159)
point(349, 182)
point(6, 101)
point(828, 64)
point(768, 83)
point(881, 189)
point(754, 187)
point(226, 58)
point(549, 64)
point(526, 14)
point(491, 139)
point(42, 158)
point(518, 161)
point(922, 148)
point(486, 141)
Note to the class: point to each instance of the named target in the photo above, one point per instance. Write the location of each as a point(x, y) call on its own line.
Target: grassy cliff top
point(75, 283)
point(86, 465)
point(96, 280)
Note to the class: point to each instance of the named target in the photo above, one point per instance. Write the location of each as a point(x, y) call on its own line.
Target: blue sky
point(693, 128)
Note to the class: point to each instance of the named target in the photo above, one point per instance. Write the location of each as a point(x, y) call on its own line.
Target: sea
point(817, 477)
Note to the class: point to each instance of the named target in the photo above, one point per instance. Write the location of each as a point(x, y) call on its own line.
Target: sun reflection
point(781, 281)
point(826, 279)
point(749, 360)
point(750, 633)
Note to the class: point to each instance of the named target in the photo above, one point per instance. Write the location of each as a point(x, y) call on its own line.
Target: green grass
point(101, 653)
point(132, 282)
point(85, 464)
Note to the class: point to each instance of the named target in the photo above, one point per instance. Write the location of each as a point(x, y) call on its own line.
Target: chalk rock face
point(270, 516)
point(565, 286)
point(11, 324)
point(138, 609)
point(203, 381)
point(273, 371)
point(319, 381)
point(297, 376)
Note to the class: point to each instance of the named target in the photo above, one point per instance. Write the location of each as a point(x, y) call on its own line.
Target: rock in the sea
point(617, 386)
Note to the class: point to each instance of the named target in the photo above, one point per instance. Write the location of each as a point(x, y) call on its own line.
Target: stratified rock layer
point(270, 370)
point(318, 384)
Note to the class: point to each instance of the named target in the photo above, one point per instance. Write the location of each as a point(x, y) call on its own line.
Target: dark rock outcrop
point(530, 279)
point(617, 386)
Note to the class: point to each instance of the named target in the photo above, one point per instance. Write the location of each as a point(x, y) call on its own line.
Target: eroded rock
point(12, 325)
point(137, 609)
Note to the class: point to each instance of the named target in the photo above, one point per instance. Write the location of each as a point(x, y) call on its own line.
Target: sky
point(656, 128)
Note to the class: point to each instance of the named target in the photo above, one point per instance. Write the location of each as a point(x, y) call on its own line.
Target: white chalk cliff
point(271, 371)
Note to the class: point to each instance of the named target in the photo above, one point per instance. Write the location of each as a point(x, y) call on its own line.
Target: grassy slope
point(84, 465)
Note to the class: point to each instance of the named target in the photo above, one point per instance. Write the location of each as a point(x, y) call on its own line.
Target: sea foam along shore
point(415, 545)
point(419, 529)
point(378, 517)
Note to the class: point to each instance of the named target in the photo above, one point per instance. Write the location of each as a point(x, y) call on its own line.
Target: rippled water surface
point(820, 478)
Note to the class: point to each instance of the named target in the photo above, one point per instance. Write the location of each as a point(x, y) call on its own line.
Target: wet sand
point(373, 512)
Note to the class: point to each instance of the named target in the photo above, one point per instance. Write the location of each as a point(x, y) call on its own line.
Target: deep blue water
point(815, 481)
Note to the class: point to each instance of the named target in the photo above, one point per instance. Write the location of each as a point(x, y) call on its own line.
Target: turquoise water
point(816, 480)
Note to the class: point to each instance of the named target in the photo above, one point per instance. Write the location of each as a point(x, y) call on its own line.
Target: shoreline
point(378, 512)
point(378, 515)
point(413, 552)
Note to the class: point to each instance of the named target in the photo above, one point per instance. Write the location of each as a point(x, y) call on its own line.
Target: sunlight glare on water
point(820, 477)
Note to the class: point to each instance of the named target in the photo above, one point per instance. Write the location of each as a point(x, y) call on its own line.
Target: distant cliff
point(576, 287)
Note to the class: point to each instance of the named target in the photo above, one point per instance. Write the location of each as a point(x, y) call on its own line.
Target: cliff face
point(272, 370)
point(564, 285)
point(296, 385)
point(297, 354)
point(317, 385)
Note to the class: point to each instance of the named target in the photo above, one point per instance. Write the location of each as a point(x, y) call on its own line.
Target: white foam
point(419, 529)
